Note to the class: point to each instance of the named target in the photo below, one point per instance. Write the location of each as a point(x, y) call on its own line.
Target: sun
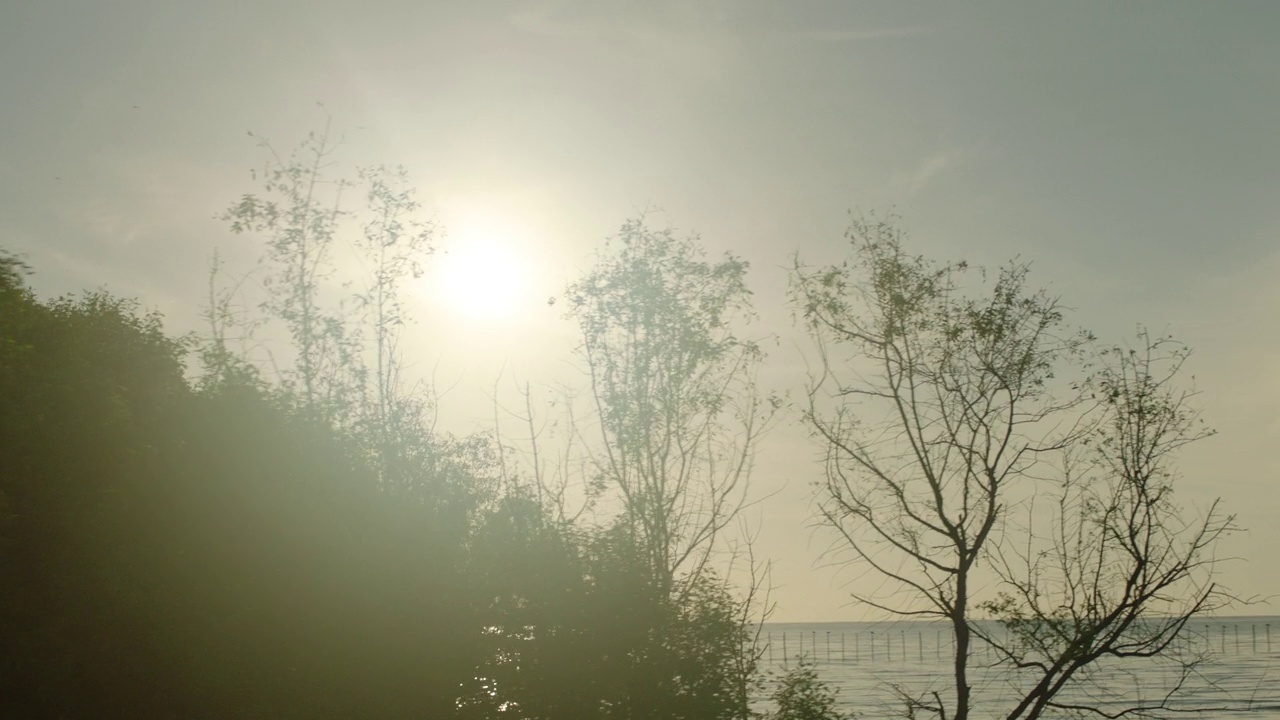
point(482, 274)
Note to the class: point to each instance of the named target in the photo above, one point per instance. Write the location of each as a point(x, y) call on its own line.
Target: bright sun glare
point(482, 274)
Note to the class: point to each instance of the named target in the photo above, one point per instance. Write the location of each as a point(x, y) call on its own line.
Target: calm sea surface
point(863, 661)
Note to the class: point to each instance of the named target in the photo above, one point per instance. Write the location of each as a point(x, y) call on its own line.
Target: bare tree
point(946, 414)
point(550, 452)
point(1114, 571)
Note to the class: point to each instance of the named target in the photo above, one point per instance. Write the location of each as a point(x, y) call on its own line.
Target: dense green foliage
point(174, 551)
point(802, 695)
point(178, 543)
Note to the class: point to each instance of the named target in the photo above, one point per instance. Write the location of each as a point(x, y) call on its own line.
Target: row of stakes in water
point(891, 645)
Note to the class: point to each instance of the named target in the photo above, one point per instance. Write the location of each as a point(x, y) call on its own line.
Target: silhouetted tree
point(955, 413)
point(678, 415)
point(217, 550)
point(678, 410)
point(298, 211)
point(92, 396)
point(393, 241)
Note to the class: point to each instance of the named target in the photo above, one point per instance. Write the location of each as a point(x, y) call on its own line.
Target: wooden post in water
point(770, 646)
point(828, 646)
point(1224, 639)
point(784, 650)
point(841, 647)
point(873, 646)
point(1236, 630)
point(1253, 630)
point(920, 644)
point(857, 647)
point(813, 643)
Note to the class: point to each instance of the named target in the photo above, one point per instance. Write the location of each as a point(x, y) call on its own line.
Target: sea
point(871, 665)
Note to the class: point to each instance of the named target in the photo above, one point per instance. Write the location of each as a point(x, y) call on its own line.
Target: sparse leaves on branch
point(298, 212)
point(950, 411)
point(674, 388)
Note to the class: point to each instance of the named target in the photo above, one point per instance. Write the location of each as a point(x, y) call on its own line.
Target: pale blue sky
point(1129, 150)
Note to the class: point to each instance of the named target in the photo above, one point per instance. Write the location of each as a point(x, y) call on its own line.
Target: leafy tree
point(92, 396)
point(802, 695)
point(347, 365)
point(957, 414)
point(231, 545)
point(298, 211)
point(393, 241)
point(626, 618)
point(319, 592)
point(679, 413)
point(576, 629)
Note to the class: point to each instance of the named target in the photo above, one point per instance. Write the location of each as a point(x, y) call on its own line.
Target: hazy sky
point(1131, 151)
